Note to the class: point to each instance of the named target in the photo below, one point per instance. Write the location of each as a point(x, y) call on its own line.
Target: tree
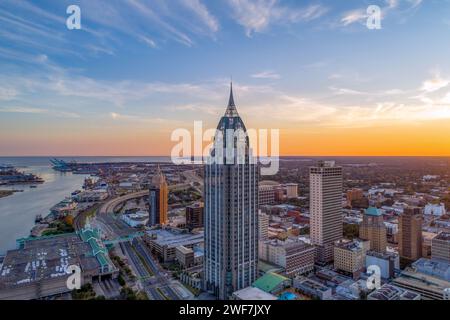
point(351, 231)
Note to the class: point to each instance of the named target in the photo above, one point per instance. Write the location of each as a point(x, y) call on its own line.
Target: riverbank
point(6, 193)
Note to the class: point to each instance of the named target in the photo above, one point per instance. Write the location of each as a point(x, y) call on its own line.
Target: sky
point(138, 70)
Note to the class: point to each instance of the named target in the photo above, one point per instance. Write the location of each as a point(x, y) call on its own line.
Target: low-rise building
point(440, 247)
point(135, 220)
point(387, 262)
point(349, 256)
point(272, 283)
point(391, 292)
point(40, 267)
point(429, 287)
point(184, 256)
point(312, 288)
point(252, 293)
point(295, 256)
point(163, 242)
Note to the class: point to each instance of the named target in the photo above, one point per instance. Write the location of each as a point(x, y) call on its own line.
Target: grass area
point(58, 227)
point(81, 218)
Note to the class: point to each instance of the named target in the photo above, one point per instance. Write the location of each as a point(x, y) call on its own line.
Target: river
point(18, 211)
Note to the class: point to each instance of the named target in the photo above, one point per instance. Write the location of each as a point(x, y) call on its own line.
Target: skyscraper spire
point(231, 100)
point(231, 109)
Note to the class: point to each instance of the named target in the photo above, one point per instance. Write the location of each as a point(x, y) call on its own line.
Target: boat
point(33, 186)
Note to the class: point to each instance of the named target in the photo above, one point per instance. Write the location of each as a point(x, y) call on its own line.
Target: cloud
point(266, 75)
point(150, 42)
point(7, 94)
point(202, 12)
point(403, 8)
point(345, 91)
point(258, 15)
point(32, 110)
point(353, 16)
point(434, 84)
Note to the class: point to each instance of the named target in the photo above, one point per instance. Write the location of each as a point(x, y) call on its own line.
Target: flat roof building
point(390, 292)
point(349, 256)
point(440, 247)
point(296, 257)
point(40, 267)
point(163, 242)
point(252, 293)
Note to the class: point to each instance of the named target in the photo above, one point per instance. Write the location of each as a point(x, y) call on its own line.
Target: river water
point(18, 211)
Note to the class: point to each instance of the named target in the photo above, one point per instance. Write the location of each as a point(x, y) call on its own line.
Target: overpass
point(111, 205)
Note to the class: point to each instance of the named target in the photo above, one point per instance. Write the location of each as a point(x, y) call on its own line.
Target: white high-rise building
point(263, 225)
point(231, 209)
point(326, 222)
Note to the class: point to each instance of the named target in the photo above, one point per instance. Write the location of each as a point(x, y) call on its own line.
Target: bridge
point(126, 238)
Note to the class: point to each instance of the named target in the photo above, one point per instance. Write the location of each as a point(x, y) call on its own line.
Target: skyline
point(135, 72)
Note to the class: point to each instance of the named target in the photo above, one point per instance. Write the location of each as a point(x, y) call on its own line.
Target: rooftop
point(372, 211)
point(49, 258)
point(269, 282)
point(443, 236)
point(170, 238)
point(252, 293)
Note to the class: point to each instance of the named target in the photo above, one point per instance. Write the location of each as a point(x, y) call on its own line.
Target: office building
point(296, 257)
point(263, 225)
point(158, 199)
point(164, 242)
point(390, 292)
point(440, 247)
point(267, 191)
point(349, 256)
point(325, 208)
point(410, 234)
point(291, 190)
point(194, 216)
point(354, 194)
point(373, 229)
point(387, 262)
point(231, 209)
point(312, 288)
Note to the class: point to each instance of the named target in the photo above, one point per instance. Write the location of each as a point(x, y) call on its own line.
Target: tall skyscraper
point(326, 223)
point(373, 229)
point(231, 209)
point(410, 233)
point(158, 199)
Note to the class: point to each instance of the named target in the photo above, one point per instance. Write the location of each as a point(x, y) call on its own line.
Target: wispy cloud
point(266, 75)
point(437, 82)
point(203, 13)
point(403, 7)
point(353, 16)
point(258, 15)
point(32, 110)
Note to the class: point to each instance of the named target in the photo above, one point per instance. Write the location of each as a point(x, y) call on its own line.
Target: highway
point(156, 282)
